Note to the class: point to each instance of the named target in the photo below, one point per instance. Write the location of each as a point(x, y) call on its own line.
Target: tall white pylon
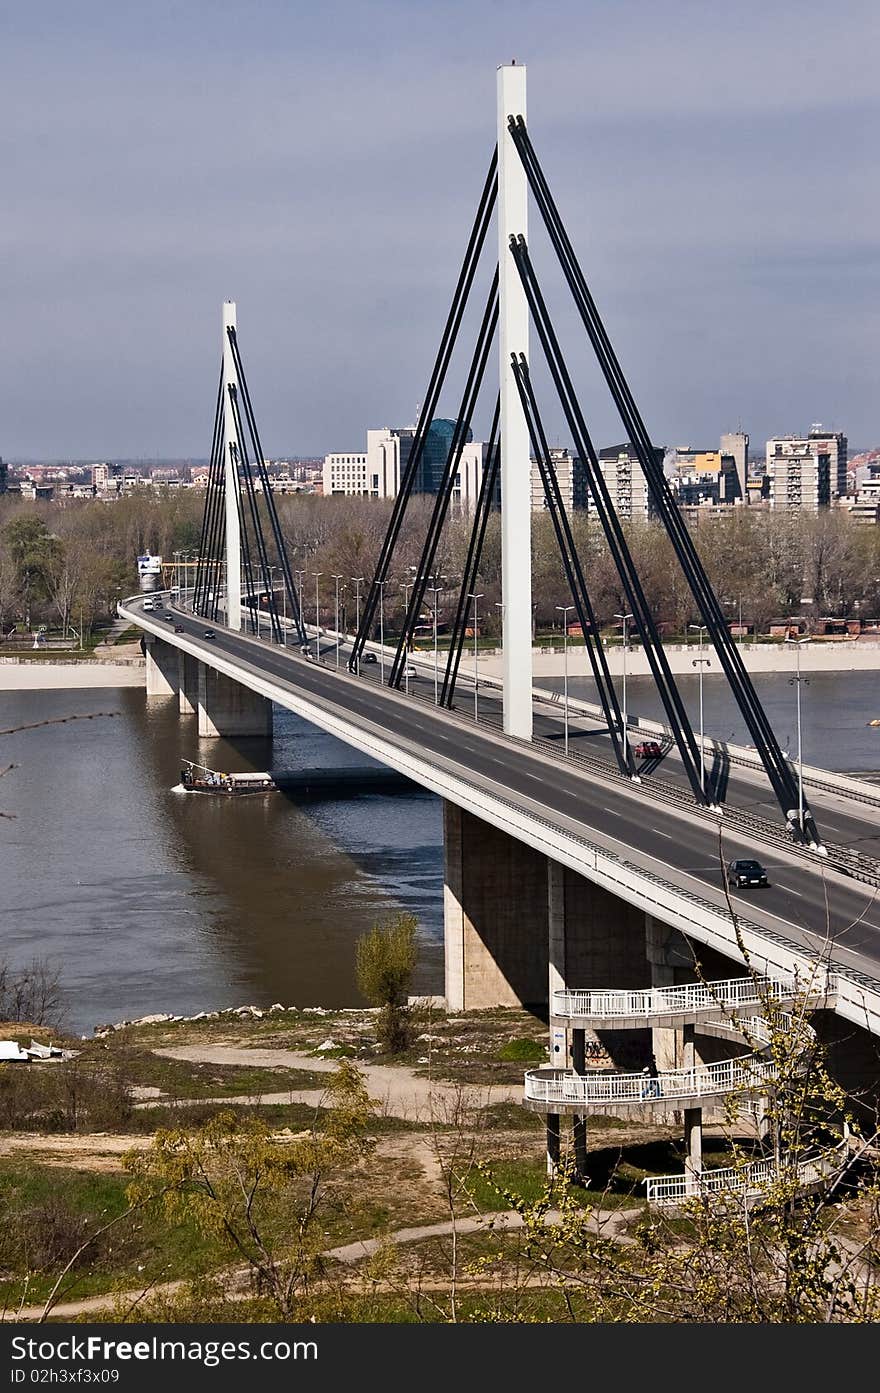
point(230, 470)
point(516, 488)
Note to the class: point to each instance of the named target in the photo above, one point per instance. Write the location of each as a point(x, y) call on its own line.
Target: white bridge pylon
point(516, 487)
point(231, 456)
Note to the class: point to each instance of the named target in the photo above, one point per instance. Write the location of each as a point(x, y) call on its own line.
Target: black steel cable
point(438, 375)
point(778, 769)
point(573, 569)
point(472, 562)
point(473, 383)
point(284, 561)
point(617, 544)
point(206, 515)
point(262, 554)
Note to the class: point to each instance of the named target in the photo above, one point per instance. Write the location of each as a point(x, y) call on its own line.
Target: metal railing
point(689, 998)
point(750, 1182)
point(703, 1081)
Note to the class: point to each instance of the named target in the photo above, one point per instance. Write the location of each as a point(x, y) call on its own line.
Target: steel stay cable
point(472, 561)
point(473, 384)
point(212, 463)
point(441, 364)
point(274, 521)
point(574, 573)
point(776, 766)
point(262, 554)
point(635, 596)
point(218, 535)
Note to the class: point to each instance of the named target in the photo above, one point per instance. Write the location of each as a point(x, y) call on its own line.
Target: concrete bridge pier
point(187, 684)
point(693, 1117)
point(161, 667)
point(227, 708)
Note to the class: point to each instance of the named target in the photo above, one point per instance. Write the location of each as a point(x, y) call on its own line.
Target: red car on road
point(648, 749)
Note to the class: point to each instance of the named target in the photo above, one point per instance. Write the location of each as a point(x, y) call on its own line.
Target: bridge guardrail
point(750, 1182)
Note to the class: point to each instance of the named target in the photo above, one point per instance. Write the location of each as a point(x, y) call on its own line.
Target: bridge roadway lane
point(840, 820)
point(801, 903)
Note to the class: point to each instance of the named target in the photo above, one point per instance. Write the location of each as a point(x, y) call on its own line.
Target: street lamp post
point(406, 586)
point(475, 598)
point(565, 609)
point(796, 683)
point(626, 617)
point(436, 590)
point(317, 575)
point(337, 578)
point(381, 584)
point(357, 582)
point(700, 663)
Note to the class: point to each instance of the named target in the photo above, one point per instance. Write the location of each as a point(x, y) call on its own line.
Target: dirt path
point(399, 1091)
point(507, 1221)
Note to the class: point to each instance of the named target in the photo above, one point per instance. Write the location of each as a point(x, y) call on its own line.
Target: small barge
point(198, 778)
point(319, 783)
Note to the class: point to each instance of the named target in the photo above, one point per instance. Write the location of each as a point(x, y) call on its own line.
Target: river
point(149, 899)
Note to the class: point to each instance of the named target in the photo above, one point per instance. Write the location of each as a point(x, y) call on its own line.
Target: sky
point(320, 164)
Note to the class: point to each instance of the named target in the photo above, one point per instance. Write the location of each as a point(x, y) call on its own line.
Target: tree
point(260, 1196)
point(385, 962)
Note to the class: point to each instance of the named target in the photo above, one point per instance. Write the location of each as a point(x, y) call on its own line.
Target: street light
point(565, 609)
point(700, 663)
point(337, 578)
point(796, 682)
point(357, 582)
point(475, 598)
point(317, 575)
point(626, 617)
point(733, 602)
point(435, 590)
point(381, 584)
point(406, 586)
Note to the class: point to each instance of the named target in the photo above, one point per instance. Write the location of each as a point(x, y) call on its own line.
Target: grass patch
point(48, 1212)
point(183, 1078)
point(529, 1051)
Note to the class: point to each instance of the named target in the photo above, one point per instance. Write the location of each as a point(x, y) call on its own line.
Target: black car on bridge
point(744, 874)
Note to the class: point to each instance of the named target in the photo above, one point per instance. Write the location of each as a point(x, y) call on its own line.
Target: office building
point(377, 472)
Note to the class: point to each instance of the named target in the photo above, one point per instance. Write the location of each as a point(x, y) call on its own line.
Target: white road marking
point(789, 890)
point(667, 835)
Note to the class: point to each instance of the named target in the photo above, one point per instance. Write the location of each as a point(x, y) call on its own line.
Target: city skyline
point(715, 171)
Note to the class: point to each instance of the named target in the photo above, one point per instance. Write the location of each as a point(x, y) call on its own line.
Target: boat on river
point(198, 778)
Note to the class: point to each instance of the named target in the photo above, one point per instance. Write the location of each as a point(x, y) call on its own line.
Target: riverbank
point(66, 674)
point(757, 657)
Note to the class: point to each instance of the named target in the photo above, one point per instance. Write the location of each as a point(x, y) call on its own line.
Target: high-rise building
point(625, 481)
point(799, 473)
point(822, 444)
point(836, 445)
point(571, 476)
point(377, 472)
point(736, 445)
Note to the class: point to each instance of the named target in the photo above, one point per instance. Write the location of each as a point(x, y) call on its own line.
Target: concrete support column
point(693, 1117)
point(187, 683)
point(665, 1042)
point(552, 1143)
point(579, 1121)
point(557, 977)
point(228, 708)
point(494, 916)
point(161, 667)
